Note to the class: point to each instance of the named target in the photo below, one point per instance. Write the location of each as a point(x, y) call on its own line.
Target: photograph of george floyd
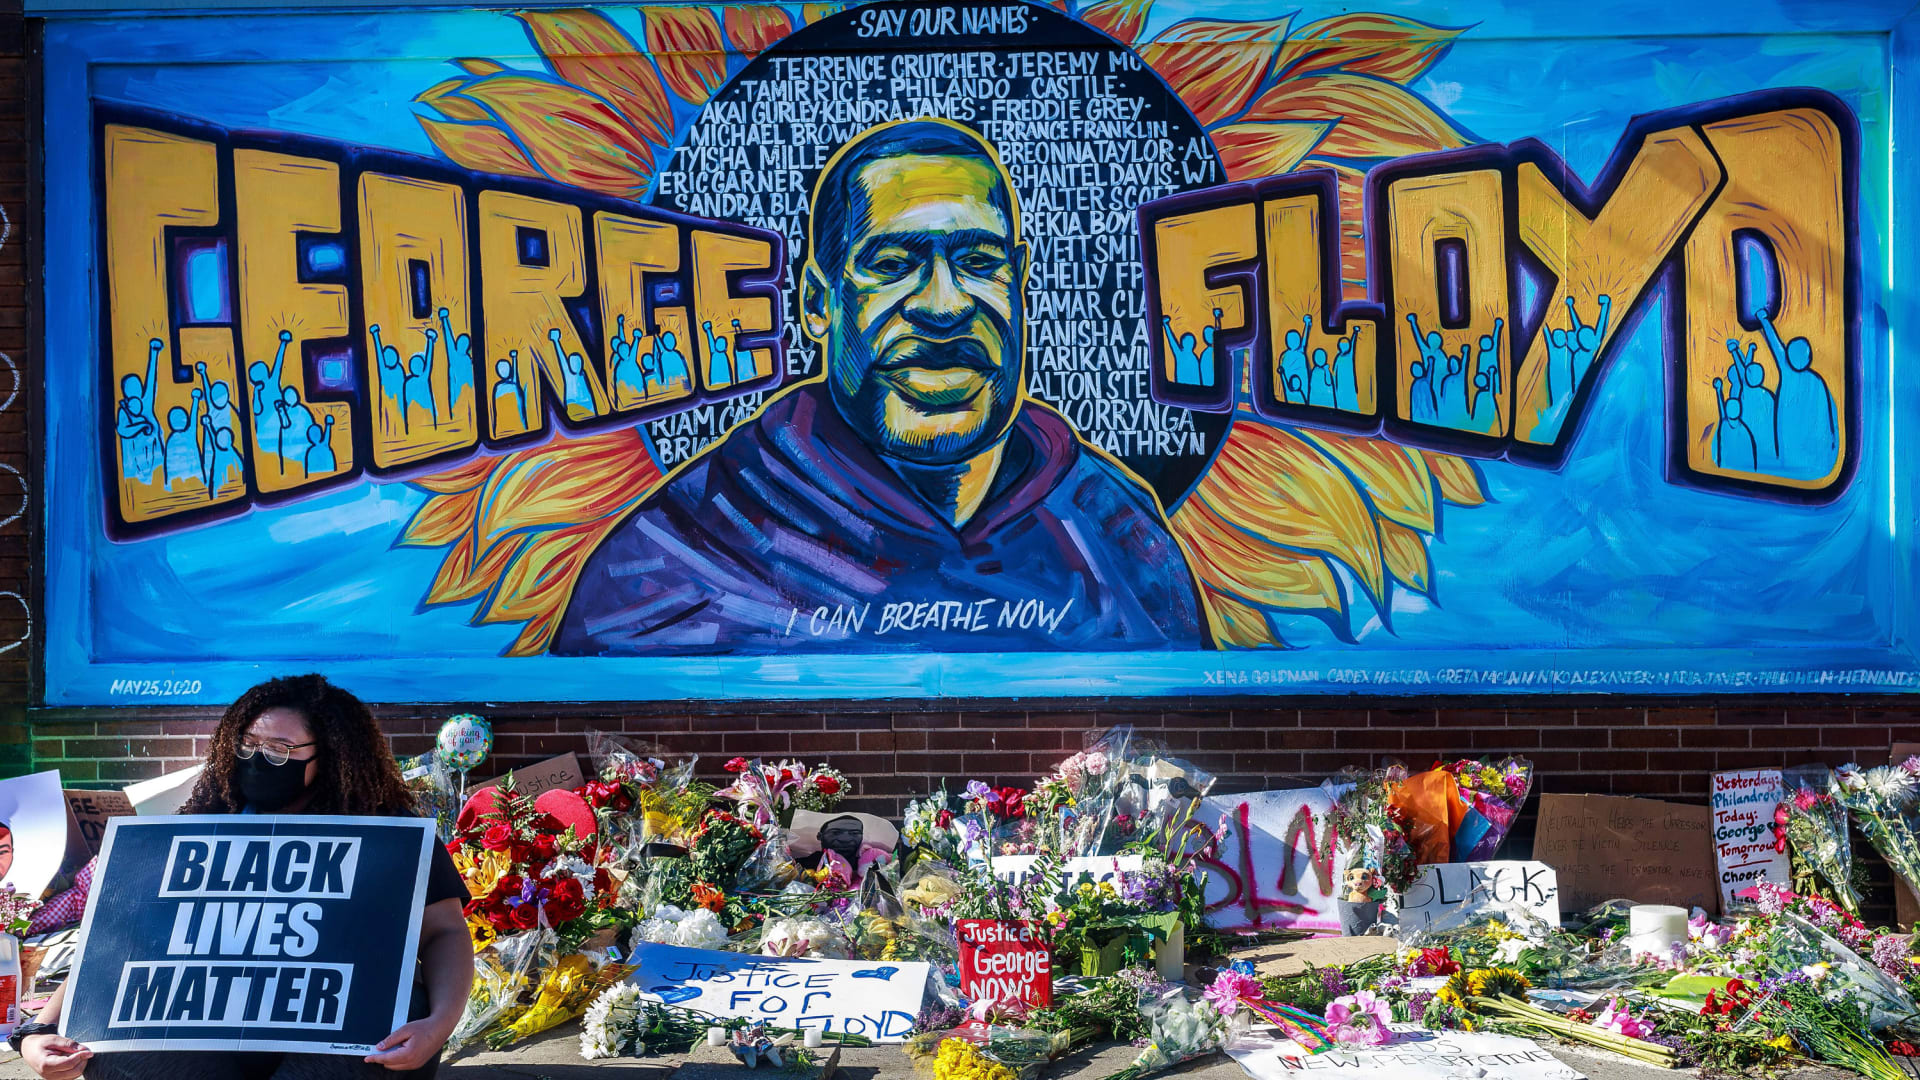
point(1018, 539)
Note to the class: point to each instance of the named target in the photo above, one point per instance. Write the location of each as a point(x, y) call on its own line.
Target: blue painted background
point(1600, 576)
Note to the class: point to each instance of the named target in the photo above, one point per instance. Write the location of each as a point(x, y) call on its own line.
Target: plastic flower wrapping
point(1182, 1028)
point(1885, 804)
point(1816, 829)
point(770, 792)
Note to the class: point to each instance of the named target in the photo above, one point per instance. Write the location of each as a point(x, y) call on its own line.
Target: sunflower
point(1497, 982)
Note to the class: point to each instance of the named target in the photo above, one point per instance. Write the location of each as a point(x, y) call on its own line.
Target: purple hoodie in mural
point(792, 534)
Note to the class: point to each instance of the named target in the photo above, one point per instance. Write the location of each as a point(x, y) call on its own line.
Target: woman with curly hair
point(301, 745)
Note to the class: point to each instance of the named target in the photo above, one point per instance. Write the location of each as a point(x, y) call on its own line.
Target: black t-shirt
point(443, 881)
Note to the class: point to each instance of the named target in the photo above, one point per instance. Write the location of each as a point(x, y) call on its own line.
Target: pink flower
point(1911, 766)
point(1780, 814)
point(1359, 1020)
point(1805, 799)
point(1617, 1019)
point(1230, 988)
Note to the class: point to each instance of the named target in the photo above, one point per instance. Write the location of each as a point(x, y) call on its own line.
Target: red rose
point(497, 838)
point(738, 764)
point(525, 917)
point(1012, 802)
point(508, 885)
point(944, 819)
point(828, 785)
point(603, 882)
point(544, 848)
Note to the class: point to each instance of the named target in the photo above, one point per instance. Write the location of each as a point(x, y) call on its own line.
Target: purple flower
point(1890, 953)
point(978, 791)
point(1333, 982)
point(1417, 1006)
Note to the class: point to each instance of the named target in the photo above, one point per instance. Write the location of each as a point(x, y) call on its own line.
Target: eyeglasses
point(275, 753)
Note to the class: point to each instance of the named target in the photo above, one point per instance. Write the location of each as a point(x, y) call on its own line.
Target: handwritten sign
point(1005, 961)
point(1448, 894)
point(1414, 1054)
point(562, 773)
point(1097, 868)
point(291, 933)
point(1743, 804)
point(1606, 847)
point(876, 1000)
point(1276, 866)
point(91, 811)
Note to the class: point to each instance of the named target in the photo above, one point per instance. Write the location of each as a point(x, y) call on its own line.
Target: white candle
point(1655, 928)
point(716, 1036)
point(815, 1038)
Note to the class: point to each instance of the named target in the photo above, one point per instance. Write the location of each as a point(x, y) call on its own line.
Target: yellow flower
point(482, 932)
point(1106, 889)
point(1784, 1042)
point(1497, 982)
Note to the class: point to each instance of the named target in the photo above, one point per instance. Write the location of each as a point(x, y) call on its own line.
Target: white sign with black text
point(1448, 894)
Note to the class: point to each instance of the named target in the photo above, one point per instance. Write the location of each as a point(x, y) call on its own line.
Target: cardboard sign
point(1277, 866)
point(876, 1000)
point(1414, 1054)
point(1742, 803)
point(1446, 895)
point(1097, 868)
point(1005, 961)
point(91, 811)
point(290, 933)
point(1606, 847)
point(561, 772)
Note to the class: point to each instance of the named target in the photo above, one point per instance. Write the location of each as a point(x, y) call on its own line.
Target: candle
point(815, 1038)
point(716, 1036)
point(1655, 928)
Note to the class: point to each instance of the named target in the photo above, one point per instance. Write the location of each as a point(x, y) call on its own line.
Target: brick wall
point(19, 374)
point(894, 751)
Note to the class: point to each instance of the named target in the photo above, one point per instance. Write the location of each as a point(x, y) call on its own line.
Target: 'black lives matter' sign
point(224, 932)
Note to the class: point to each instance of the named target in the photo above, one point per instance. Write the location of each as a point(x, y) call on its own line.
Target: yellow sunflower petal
point(1121, 19)
point(1374, 118)
point(481, 147)
point(588, 50)
point(1367, 43)
point(1395, 479)
point(687, 43)
point(1215, 66)
point(1266, 148)
point(574, 137)
point(754, 28)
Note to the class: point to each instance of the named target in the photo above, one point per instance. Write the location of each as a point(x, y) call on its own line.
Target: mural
point(827, 350)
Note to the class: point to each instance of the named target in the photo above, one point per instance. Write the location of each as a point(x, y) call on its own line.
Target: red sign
point(1005, 961)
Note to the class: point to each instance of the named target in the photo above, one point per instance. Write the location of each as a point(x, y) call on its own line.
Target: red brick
point(1265, 718)
point(1784, 738)
point(755, 742)
point(1877, 738)
point(1691, 717)
point(904, 720)
point(1471, 718)
point(1645, 738)
point(1612, 717)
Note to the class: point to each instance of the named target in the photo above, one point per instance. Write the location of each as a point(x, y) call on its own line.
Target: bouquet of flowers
point(773, 791)
point(1885, 802)
point(525, 873)
point(1181, 1029)
point(1080, 795)
point(621, 1022)
point(928, 824)
point(1493, 795)
point(1368, 823)
point(16, 911)
point(669, 925)
point(641, 793)
point(1816, 827)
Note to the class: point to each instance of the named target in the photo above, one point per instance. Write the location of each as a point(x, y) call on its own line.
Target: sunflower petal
point(1265, 148)
point(462, 577)
point(573, 136)
point(481, 147)
point(1273, 483)
point(565, 483)
point(1460, 481)
point(1229, 559)
point(1236, 625)
point(1216, 66)
point(474, 65)
point(465, 476)
point(441, 520)
point(1367, 43)
point(1120, 19)
point(1375, 118)
point(686, 42)
point(1407, 558)
point(1394, 478)
point(588, 50)
point(813, 13)
point(754, 28)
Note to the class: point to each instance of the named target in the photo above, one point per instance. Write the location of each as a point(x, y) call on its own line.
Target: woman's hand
point(55, 1057)
point(412, 1046)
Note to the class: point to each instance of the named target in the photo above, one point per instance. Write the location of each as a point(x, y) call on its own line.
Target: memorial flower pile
point(1885, 803)
point(526, 870)
point(772, 791)
point(1816, 830)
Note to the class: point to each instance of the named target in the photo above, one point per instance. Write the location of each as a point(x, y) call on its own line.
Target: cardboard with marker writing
point(562, 772)
point(1743, 803)
point(877, 1000)
point(91, 810)
point(289, 933)
point(1606, 847)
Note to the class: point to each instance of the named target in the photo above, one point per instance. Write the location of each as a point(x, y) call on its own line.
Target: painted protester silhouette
point(914, 470)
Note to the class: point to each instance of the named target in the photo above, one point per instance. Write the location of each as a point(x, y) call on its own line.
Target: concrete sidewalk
point(556, 1054)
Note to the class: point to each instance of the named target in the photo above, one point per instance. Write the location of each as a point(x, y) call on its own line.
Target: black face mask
point(268, 787)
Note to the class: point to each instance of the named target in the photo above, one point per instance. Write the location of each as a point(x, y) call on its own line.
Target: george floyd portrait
point(913, 497)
